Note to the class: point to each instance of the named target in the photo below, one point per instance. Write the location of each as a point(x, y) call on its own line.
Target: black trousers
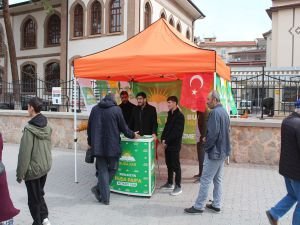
point(36, 202)
point(173, 165)
point(106, 168)
point(200, 153)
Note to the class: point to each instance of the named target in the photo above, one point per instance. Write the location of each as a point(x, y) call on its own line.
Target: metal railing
point(266, 92)
point(37, 88)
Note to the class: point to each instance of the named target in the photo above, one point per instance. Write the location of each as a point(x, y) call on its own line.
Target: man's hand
point(136, 135)
point(164, 144)
point(19, 180)
point(154, 137)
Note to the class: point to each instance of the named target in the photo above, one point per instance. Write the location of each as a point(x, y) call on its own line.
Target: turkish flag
point(194, 90)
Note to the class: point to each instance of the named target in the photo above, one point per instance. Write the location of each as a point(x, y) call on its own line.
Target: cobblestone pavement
point(248, 191)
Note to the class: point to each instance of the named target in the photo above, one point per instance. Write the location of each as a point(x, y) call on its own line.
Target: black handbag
point(2, 168)
point(89, 157)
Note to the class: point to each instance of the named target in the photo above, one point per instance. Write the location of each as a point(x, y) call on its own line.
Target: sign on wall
point(56, 95)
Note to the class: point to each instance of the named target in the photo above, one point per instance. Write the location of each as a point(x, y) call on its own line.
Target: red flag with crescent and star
point(194, 90)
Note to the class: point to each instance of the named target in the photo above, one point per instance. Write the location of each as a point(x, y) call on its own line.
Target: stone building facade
point(48, 42)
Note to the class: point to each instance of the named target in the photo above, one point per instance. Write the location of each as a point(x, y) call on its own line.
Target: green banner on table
point(136, 172)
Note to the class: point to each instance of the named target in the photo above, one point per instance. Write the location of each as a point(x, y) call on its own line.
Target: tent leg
point(75, 127)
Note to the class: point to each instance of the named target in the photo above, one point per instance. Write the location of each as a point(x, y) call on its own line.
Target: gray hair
point(214, 94)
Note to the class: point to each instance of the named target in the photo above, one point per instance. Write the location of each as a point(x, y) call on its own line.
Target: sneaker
point(177, 190)
point(96, 192)
point(193, 211)
point(271, 219)
point(167, 186)
point(46, 222)
point(213, 209)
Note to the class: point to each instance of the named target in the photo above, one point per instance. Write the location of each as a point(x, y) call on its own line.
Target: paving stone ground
point(248, 191)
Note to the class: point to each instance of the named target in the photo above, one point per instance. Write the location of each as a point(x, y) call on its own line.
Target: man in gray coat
point(217, 149)
point(105, 124)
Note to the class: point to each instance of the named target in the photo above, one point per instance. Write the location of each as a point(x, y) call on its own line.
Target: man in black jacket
point(289, 168)
point(126, 106)
point(144, 117)
point(171, 139)
point(104, 126)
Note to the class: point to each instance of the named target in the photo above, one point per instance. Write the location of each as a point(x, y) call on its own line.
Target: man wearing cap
point(289, 168)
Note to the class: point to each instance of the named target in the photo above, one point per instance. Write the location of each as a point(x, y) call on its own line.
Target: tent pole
point(215, 82)
point(75, 126)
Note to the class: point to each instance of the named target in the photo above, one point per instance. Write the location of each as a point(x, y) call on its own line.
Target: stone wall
point(253, 140)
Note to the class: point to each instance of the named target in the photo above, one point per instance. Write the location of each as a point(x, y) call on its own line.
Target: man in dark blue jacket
point(217, 149)
point(171, 139)
point(105, 124)
point(289, 168)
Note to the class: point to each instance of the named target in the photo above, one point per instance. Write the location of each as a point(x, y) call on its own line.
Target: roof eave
point(201, 14)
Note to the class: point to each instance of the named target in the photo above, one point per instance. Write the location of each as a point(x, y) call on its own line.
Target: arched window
point(1, 80)
point(188, 35)
point(28, 79)
point(171, 22)
point(29, 34)
point(52, 76)
point(178, 27)
point(53, 30)
point(78, 21)
point(96, 16)
point(163, 15)
point(147, 15)
point(115, 16)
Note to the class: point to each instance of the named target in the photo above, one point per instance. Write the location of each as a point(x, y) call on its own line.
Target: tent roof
point(159, 53)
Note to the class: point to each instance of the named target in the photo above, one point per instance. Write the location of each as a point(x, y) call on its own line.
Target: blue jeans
point(212, 172)
point(285, 204)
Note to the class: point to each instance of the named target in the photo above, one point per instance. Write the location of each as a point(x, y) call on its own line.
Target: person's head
point(34, 106)
point(124, 97)
point(172, 102)
point(297, 106)
point(141, 98)
point(213, 99)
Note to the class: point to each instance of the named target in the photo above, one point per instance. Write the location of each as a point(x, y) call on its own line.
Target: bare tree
point(12, 52)
point(12, 49)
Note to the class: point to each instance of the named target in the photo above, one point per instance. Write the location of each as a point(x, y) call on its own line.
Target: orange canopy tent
point(159, 53)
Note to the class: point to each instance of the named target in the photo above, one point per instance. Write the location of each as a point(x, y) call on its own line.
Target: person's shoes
point(271, 219)
point(167, 186)
point(176, 191)
point(193, 211)
point(105, 202)
point(96, 192)
point(46, 222)
point(196, 176)
point(213, 209)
